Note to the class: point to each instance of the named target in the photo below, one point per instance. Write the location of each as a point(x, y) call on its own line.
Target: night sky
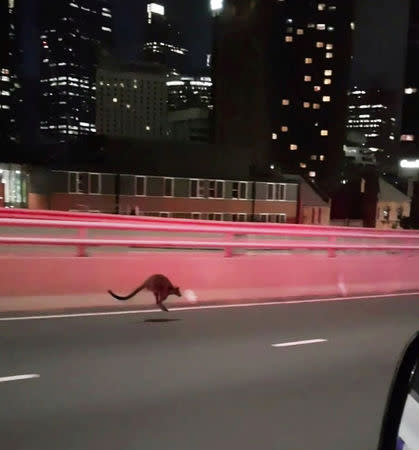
point(378, 48)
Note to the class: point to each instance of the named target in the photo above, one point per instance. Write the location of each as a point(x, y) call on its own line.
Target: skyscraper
point(163, 42)
point(372, 117)
point(410, 117)
point(281, 78)
point(8, 76)
point(132, 101)
point(74, 34)
point(189, 92)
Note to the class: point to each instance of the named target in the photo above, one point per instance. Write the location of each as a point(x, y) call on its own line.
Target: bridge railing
point(200, 235)
point(14, 213)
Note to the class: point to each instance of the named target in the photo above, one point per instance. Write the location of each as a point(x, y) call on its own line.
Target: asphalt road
point(208, 379)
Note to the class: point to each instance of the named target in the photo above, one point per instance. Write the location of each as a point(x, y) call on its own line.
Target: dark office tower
point(372, 119)
point(410, 116)
point(163, 42)
point(74, 35)
point(8, 67)
point(281, 78)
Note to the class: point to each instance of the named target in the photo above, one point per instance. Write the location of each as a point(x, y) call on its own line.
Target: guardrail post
point(228, 251)
point(332, 252)
point(81, 249)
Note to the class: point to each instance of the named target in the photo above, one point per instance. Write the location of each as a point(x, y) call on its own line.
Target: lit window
point(407, 137)
point(285, 102)
point(321, 26)
point(330, 28)
point(316, 106)
point(148, 128)
point(128, 106)
point(284, 129)
point(288, 39)
point(319, 44)
point(115, 100)
point(311, 25)
point(303, 165)
point(329, 55)
point(324, 133)
point(328, 73)
point(312, 174)
point(326, 98)
point(306, 105)
point(352, 25)
point(410, 91)
point(322, 158)
point(106, 29)
point(327, 81)
point(317, 88)
point(274, 136)
point(300, 31)
point(308, 60)
point(307, 78)
point(293, 147)
point(329, 46)
point(321, 6)
point(313, 157)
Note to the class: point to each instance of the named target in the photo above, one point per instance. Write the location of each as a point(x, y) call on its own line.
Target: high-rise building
point(189, 92)
point(8, 68)
point(280, 72)
point(163, 42)
point(132, 101)
point(73, 36)
point(372, 116)
point(410, 117)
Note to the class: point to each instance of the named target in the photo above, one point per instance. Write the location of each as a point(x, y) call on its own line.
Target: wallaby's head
point(176, 291)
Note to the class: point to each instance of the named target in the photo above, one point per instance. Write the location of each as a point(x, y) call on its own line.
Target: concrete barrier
point(39, 283)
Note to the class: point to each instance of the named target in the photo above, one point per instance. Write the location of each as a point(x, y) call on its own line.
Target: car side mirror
point(400, 427)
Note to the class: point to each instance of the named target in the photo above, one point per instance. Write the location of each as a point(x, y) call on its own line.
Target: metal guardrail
point(227, 236)
point(13, 213)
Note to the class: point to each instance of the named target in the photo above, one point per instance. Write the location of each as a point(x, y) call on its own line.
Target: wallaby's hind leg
point(159, 302)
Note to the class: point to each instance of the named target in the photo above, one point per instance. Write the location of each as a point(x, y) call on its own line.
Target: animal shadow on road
point(161, 320)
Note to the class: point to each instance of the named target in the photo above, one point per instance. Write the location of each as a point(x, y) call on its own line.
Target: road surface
point(207, 379)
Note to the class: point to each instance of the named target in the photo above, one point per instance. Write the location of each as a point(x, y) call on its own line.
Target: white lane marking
point(195, 308)
point(293, 344)
point(19, 377)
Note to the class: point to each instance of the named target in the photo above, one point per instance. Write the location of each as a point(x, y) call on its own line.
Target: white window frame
point(99, 175)
point(268, 185)
point(216, 182)
point(278, 192)
point(240, 183)
point(145, 186)
point(200, 184)
point(77, 191)
point(173, 187)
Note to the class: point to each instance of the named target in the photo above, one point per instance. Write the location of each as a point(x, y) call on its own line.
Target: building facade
point(280, 71)
point(163, 41)
point(372, 115)
point(189, 92)
point(392, 206)
point(192, 124)
point(293, 201)
point(74, 36)
point(8, 74)
point(132, 101)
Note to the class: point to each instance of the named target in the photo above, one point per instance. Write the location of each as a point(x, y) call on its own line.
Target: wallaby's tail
point(128, 296)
